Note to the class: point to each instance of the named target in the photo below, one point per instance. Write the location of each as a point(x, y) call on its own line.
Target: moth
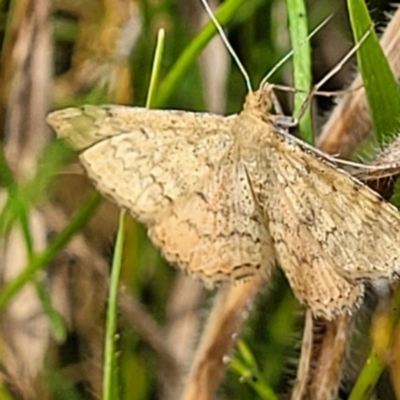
point(226, 198)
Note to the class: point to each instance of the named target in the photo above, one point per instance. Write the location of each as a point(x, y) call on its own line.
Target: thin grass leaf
point(6, 176)
point(245, 365)
point(18, 209)
point(245, 353)
point(298, 28)
point(110, 381)
point(374, 366)
point(13, 209)
point(156, 67)
point(384, 102)
point(380, 85)
point(40, 261)
point(57, 323)
point(20, 199)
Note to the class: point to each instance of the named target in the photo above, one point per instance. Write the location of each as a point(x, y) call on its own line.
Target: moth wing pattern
point(144, 160)
point(313, 275)
point(219, 233)
point(353, 225)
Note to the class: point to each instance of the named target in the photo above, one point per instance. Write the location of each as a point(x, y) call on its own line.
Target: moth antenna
point(344, 60)
point(228, 45)
point(332, 72)
point(291, 52)
point(331, 93)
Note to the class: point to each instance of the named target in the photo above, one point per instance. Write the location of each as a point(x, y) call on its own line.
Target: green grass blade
point(40, 261)
point(298, 28)
point(110, 387)
point(374, 366)
point(380, 86)
point(368, 378)
point(57, 323)
point(6, 176)
point(110, 381)
point(245, 365)
point(155, 73)
point(21, 198)
point(384, 102)
point(13, 208)
point(18, 210)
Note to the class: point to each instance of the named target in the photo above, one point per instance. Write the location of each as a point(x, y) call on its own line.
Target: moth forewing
point(225, 197)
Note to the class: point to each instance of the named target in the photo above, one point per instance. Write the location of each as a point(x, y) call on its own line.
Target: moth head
point(260, 101)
